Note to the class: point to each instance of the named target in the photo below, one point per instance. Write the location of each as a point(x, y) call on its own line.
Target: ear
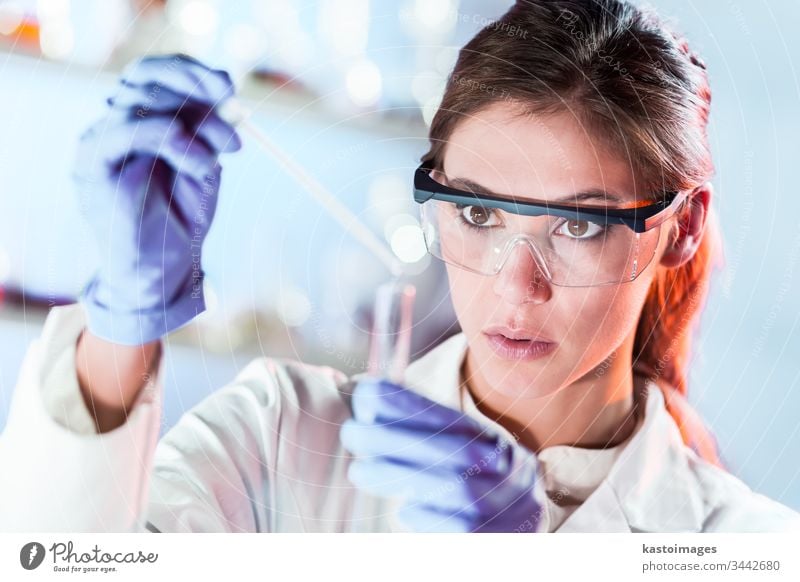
point(689, 228)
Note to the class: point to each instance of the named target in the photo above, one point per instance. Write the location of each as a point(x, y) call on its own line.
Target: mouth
point(518, 344)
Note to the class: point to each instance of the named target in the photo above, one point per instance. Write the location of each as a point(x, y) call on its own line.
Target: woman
point(567, 190)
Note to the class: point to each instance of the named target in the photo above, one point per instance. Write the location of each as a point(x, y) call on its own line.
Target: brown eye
point(577, 228)
point(478, 215)
point(581, 229)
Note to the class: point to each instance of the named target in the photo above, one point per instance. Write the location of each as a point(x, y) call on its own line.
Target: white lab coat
point(262, 454)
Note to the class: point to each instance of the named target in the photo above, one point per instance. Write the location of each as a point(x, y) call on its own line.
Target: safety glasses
point(640, 218)
point(575, 245)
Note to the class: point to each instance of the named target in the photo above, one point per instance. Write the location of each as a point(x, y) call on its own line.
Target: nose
point(521, 278)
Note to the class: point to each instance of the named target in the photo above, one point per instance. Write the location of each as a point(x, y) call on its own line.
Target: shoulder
point(732, 506)
point(664, 485)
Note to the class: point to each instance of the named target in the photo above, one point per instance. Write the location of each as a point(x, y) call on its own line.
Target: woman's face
point(544, 158)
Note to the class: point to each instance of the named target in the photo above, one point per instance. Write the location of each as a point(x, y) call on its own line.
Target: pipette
point(390, 344)
point(237, 114)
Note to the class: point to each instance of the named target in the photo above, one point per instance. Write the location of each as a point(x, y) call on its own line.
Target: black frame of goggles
point(639, 219)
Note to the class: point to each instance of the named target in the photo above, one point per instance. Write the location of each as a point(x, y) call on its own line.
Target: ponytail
point(662, 346)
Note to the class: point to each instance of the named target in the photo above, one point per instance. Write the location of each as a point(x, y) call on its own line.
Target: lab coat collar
point(436, 374)
point(653, 476)
point(650, 487)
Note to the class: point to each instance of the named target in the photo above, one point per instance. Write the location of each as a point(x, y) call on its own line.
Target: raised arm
point(79, 444)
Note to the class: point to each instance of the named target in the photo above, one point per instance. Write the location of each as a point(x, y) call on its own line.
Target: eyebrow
point(592, 194)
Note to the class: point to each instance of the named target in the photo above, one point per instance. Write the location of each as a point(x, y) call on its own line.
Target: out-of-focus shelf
point(262, 95)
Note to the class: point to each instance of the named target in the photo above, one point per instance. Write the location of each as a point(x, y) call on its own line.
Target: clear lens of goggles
point(570, 253)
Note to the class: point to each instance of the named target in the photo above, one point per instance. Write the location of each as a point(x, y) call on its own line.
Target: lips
point(518, 344)
point(517, 334)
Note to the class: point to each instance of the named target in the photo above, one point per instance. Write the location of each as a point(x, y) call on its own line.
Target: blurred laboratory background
point(348, 88)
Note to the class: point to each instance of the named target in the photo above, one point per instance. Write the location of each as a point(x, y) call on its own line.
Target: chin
point(522, 379)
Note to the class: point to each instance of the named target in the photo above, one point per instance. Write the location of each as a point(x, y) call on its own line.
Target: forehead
point(535, 156)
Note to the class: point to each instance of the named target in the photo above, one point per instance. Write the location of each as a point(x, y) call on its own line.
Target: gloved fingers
point(199, 118)
point(447, 449)
point(382, 401)
point(195, 202)
point(447, 490)
point(192, 205)
point(431, 519)
point(149, 99)
point(522, 514)
point(392, 478)
point(136, 204)
point(159, 137)
point(123, 193)
point(169, 141)
point(132, 196)
point(182, 75)
point(212, 129)
point(145, 193)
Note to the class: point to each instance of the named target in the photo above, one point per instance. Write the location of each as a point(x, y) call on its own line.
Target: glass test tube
point(390, 342)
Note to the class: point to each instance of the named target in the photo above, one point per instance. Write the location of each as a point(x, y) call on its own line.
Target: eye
point(580, 229)
point(478, 216)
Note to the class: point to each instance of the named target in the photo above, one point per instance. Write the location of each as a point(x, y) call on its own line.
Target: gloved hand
point(148, 178)
point(455, 474)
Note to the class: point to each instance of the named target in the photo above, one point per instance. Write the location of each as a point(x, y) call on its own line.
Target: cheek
point(604, 317)
point(608, 318)
point(472, 295)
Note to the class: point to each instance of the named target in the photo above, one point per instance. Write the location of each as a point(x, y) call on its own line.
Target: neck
point(595, 411)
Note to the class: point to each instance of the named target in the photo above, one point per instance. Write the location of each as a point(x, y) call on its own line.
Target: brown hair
point(637, 86)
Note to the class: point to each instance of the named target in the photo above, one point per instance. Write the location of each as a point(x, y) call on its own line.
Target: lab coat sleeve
point(59, 474)
point(258, 455)
point(214, 470)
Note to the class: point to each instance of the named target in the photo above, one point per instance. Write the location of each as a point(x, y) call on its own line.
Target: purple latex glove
point(454, 474)
point(148, 178)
